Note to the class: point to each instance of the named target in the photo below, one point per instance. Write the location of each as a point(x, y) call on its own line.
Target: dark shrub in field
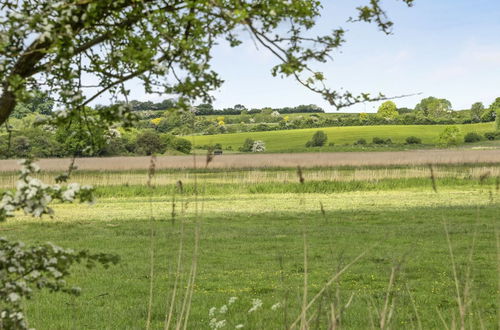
point(472, 137)
point(413, 140)
point(377, 140)
point(318, 140)
point(360, 142)
point(492, 135)
point(149, 143)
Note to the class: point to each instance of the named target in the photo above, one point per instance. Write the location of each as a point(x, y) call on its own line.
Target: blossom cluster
point(33, 196)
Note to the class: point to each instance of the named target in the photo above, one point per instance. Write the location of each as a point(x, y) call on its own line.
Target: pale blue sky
point(442, 48)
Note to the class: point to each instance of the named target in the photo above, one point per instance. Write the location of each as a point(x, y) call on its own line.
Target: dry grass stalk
point(327, 285)
point(433, 178)
point(151, 173)
point(419, 323)
point(386, 314)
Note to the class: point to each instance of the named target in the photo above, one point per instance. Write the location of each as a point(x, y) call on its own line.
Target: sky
point(443, 48)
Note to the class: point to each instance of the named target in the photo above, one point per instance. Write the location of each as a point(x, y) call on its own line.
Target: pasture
point(261, 234)
point(295, 140)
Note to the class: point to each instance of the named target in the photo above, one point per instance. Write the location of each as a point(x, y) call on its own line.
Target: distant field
point(268, 160)
point(294, 140)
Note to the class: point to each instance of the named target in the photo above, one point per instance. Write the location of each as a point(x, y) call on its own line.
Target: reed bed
point(133, 178)
point(265, 161)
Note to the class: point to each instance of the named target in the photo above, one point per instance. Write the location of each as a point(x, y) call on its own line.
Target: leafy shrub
point(450, 136)
point(331, 144)
point(26, 269)
point(472, 137)
point(377, 140)
point(247, 145)
point(318, 139)
point(413, 140)
point(148, 143)
point(360, 142)
point(182, 145)
point(388, 141)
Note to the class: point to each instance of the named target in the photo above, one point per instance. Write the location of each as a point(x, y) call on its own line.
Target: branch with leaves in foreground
point(25, 269)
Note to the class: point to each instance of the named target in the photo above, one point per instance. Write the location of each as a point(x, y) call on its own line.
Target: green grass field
point(251, 243)
point(295, 140)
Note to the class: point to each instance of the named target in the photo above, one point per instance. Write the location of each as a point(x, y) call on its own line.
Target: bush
point(413, 140)
point(377, 140)
point(247, 145)
point(318, 140)
point(450, 136)
point(148, 143)
point(331, 144)
point(472, 137)
point(182, 145)
point(360, 142)
point(492, 135)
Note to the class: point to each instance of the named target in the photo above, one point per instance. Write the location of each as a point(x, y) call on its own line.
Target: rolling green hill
point(291, 140)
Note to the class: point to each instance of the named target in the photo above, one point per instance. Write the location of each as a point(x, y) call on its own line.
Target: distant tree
point(476, 110)
point(240, 107)
point(39, 102)
point(204, 109)
point(148, 143)
point(450, 136)
point(433, 107)
point(496, 104)
point(488, 115)
point(388, 110)
point(402, 111)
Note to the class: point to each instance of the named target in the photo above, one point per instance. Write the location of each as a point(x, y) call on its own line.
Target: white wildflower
point(232, 300)
point(13, 297)
point(276, 306)
point(239, 326)
point(223, 309)
point(211, 312)
point(256, 304)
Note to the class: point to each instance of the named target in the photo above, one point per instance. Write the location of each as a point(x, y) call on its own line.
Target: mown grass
point(295, 140)
point(260, 256)
point(252, 247)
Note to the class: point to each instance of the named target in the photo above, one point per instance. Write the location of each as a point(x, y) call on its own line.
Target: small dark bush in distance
point(492, 135)
point(472, 137)
point(413, 140)
point(377, 140)
point(318, 140)
point(360, 142)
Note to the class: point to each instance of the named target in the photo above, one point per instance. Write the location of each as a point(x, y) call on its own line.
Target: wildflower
point(232, 300)
point(276, 306)
point(211, 312)
point(223, 309)
point(239, 326)
point(256, 304)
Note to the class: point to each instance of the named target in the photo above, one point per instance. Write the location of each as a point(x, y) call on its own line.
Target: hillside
point(294, 140)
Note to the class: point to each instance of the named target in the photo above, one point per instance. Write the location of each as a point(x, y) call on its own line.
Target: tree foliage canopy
point(167, 44)
point(433, 107)
point(388, 110)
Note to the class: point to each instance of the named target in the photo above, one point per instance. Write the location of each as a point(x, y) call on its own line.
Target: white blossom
point(256, 304)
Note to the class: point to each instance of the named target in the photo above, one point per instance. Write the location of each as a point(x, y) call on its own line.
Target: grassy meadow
point(295, 140)
point(261, 234)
